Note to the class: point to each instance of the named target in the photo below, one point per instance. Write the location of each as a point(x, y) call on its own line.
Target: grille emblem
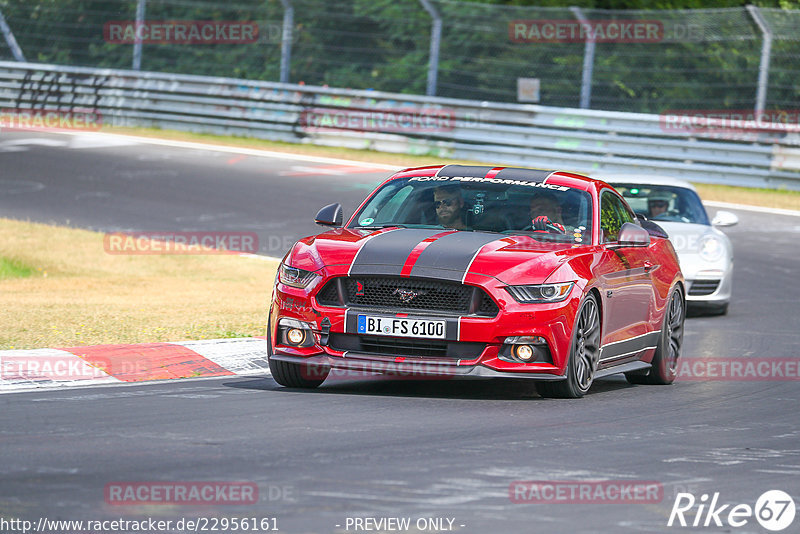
point(406, 295)
point(359, 289)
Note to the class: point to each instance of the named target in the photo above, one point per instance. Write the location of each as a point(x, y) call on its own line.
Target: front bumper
point(707, 282)
point(709, 287)
point(553, 322)
point(370, 363)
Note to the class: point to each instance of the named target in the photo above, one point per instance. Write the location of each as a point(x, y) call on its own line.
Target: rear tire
point(584, 356)
point(294, 375)
point(664, 367)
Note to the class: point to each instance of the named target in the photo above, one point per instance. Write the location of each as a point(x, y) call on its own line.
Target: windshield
point(474, 205)
point(664, 202)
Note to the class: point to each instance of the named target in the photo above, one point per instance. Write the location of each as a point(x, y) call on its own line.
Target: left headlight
point(294, 277)
point(541, 293)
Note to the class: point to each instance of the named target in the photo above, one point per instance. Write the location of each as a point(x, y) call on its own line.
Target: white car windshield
point(664, 202)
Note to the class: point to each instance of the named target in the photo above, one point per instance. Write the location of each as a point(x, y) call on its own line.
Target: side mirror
point(330, 215)
point(632, 235)
point(725, 218)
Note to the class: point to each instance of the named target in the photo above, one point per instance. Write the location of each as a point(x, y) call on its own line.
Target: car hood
point(433, 253)
point(688, 238)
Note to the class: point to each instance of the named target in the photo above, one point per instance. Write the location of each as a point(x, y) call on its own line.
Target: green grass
point(11, 268)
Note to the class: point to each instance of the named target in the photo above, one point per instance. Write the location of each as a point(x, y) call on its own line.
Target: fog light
point(523, 352)
point(295, 336)
point(525, 349)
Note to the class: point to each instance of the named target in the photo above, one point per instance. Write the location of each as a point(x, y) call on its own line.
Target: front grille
point(396, 346)
point(407, 294)
point(703, 287)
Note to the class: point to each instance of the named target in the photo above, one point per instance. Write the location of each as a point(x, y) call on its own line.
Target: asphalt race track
point(378, 448)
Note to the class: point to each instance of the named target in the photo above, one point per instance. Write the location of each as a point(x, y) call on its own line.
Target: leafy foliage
point(707, 59)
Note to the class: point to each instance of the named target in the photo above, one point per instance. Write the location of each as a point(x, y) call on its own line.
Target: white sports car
point(705, 253)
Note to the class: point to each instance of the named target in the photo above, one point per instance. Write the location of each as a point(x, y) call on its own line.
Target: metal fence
point(43, 96)
point(711, 59)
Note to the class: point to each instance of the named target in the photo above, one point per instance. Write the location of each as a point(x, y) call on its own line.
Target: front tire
point(584, 356)
point(664, 367)
point(293, 375)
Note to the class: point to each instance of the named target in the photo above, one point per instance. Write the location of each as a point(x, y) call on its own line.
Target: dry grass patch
point(77, 294)
point(789, 200)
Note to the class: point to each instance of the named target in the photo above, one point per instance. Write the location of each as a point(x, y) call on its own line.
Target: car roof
point(645, 179)
point(554, 177)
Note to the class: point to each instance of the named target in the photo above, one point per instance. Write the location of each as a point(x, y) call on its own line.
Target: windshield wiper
point(398, 225)
point(381, 226)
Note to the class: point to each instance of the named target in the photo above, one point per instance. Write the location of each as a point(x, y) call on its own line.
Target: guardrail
point(583, 140)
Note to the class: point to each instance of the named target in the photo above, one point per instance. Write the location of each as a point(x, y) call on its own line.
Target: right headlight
point(294, 277)
point(541, 293)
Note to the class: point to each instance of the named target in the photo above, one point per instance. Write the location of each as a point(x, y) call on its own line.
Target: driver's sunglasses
point(660, 203)
point(447, 202)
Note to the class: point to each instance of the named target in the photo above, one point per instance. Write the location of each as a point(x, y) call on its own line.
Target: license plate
point(401, 327)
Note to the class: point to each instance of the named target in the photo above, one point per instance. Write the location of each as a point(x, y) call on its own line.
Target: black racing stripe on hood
point(449, 257)
point(386, 253)
point(464, 170)
point(533, 175)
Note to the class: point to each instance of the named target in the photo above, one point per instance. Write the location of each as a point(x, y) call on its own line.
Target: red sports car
point(476, 271)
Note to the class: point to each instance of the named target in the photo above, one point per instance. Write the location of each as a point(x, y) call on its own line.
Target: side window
point(388, 212)
point(627, 214)
point(384, 205)
point(613, 214)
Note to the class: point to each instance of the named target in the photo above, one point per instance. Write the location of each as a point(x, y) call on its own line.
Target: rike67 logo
point(774, 510)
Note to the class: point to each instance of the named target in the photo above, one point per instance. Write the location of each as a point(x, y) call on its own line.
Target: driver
point(449, 205)
point(546, 210)
point(658, 203)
